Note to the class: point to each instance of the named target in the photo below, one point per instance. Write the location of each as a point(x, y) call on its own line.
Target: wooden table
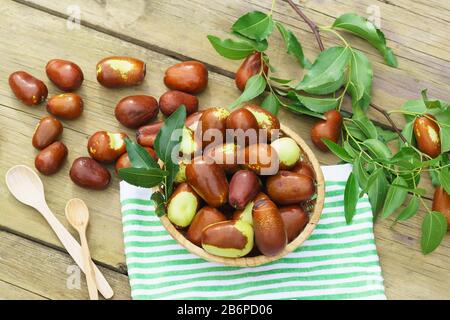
point(33, 264)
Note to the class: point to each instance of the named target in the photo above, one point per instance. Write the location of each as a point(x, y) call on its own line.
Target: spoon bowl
point(77, 213)
point(25, 185)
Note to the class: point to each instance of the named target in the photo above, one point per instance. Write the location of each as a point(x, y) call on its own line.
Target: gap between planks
point(152, 47)
point(121, 269)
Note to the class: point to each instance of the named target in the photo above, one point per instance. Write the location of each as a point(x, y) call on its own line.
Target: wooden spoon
point(77, 214)
point(27, 187)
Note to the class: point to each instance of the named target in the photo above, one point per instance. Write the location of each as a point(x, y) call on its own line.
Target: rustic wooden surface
point(33, 265)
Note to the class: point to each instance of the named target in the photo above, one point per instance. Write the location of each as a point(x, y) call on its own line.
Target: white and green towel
point(338, 261)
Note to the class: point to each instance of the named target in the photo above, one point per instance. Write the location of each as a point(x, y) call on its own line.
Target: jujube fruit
point(146, 135)
point(426, 131)
point(294, 219)
point(441, 203)
point(251, 66)
point(289, 188)
point(67, 106)
point(208, 180)
point(330, 129)
point(244, 186)
point(66, 75)
point(288, 152)
point(106, 146)
point(270, 233)
point(188, 76)
point(266, 121)
point(182, 205)
point(135, 111)
point(118, 72)
point(170, 101)
point(88, 173)
point(50, 159)
point(204, 217)
point(232, 239)
point(27, 88)
point(47, 131)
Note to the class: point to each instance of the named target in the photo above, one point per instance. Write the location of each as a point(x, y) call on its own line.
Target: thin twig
point(311, 24)
point(386, 115)
point(315, 30)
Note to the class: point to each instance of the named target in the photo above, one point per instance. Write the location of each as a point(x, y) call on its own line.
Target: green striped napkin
point(338, 261)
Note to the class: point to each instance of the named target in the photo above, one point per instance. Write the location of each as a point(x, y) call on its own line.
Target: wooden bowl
point(307, 156)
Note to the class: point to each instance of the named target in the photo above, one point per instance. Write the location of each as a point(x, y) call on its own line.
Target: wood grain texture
point(423, 60)
point(30, 37)
point(417, 33)
point(47, 272)
point(11, 292)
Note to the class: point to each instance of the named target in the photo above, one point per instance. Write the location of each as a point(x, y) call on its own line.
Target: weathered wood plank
point(46, 272)
point(12, 292)
point(25, 32)
point(142, 27)
point(416, 39)
point(38, 42)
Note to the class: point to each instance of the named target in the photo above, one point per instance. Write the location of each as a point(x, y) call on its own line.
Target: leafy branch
point(336, 72)
point(315, 29)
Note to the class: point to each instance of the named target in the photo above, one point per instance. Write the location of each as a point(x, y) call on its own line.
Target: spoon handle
point(74, 249)
point(88, 265)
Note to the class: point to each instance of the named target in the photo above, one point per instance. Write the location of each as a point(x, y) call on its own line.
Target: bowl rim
point(308, 155)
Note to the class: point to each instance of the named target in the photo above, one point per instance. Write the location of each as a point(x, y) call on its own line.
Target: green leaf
point(160, 207)
point(434, 175)
point(354, 131)
point(406, 157)
point(351, 196)
point(139, 157)
point(167, 142)
point(411, 178)
point(366, 126)
point(410, 210)
point(254, 25)
point(361, 76)
point(365, 29)
point(260, 45)
point(360, 173)
point(271, 104)
point(293, 46)
point(337, 150)
point(327, 72)
point(377, 190)
point(230, 48)
point(418, 191)
point(319, 105)
point(434, 228)
point(408, 133)
point(395, 196)
point(413, 106)
point(444, 133)
point(378, 148)
point(386, 135)
point(281, 81)
point(444, 178)
point(300, 109)
point(350, 150)
point(431, 104)
point(146, 178)
point(253, 88)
